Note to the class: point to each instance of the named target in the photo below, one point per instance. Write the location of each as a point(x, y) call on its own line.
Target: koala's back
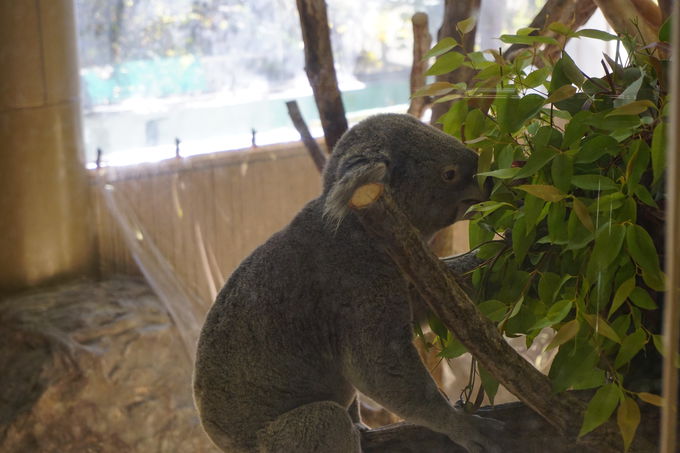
point(273, 339)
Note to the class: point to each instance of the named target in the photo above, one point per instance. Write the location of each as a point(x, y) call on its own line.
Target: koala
point(320, 311)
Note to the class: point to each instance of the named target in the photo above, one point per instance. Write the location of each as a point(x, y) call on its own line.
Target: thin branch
point(318, 155)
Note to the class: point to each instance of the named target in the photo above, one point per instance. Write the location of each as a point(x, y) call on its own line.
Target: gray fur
point(319, 311)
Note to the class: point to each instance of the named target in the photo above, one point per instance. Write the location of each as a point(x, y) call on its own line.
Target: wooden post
point(45, 229)
point(671, 327)
point(321, 69)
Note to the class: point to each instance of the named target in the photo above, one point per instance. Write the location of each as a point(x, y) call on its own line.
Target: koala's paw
point(481, 435)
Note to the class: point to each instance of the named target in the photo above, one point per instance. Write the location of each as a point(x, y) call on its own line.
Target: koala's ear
point(353, 171)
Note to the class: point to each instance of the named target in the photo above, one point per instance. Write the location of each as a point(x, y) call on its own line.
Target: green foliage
point(578, 165)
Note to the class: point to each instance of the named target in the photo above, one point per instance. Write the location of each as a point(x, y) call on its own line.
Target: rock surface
point(94, 367)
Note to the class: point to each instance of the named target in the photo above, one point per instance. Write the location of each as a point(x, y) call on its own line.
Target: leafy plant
point(571, 235)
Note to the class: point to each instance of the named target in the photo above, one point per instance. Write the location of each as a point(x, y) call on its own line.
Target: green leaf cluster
point(577, 164)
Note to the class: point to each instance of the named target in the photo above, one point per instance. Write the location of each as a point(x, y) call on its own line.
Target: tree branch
point(524, 431)
point(421, 45)
point(463, 263)
point(320, 69)
point(454, 12)
point(621, 13)
point(574, 13)
point(318, 155)
point(438, 287)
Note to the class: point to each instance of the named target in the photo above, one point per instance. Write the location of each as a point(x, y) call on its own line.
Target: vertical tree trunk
point(321, 69)
point(454, 12)
point(421, 44)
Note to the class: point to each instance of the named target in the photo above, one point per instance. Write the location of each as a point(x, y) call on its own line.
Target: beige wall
point(45, 232)
point(206, 213)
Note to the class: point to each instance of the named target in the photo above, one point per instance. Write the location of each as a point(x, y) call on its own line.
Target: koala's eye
point(449, 173)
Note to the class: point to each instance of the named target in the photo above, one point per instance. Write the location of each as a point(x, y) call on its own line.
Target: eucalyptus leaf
point(467, 25)
point(613, 123)
point(522, 239)
point(557, 227)
point(608, 243)
point(576, 128)
point(600, 408)
point(596, 34)
point(560, 94)
point(503, 173)
point(630, 346)
point(651, 398)
point(453, 349)
point(602, 327)
point(642, 299)
point(665, 31)
point(630, 93)
point(581, 212)
point(556, 314)
point(628, 419)
point(543, 191)
point(548, 285)
point(557, 78)
point(446, 63)
point(574, 366)
point(594, 182)
point(560, 28)
point(528, 39)
point(641, 249)
point(489, 383)
point(561, 171)
point(633, 108)
point(437, 326)
point(435, 89)
point(537, 77)
point(644, 196)
point(572, 71)
point(567, 332)
point(658, 151)
point(493, 309)
point(536, 161)
point(622, 294)
point(533, 207)
point(474, 124)
point(441, 47)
